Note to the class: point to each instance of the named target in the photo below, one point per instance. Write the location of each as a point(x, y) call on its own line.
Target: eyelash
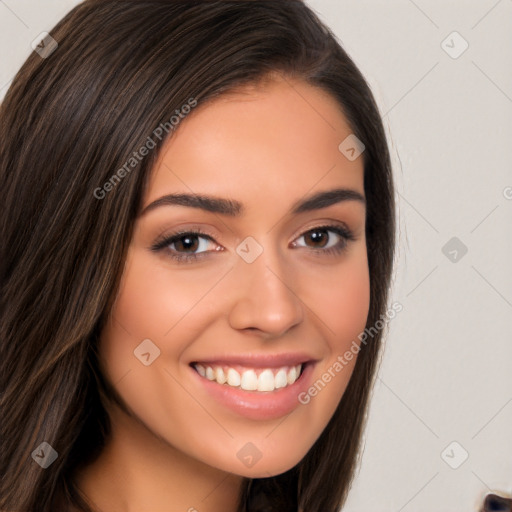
point(345, 234)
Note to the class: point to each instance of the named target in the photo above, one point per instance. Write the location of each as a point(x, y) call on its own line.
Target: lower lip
point(259, 405)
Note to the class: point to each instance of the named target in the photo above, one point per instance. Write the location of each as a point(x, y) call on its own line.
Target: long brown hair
point(68, 123)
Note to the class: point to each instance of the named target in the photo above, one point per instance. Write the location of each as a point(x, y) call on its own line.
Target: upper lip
point(258, 360)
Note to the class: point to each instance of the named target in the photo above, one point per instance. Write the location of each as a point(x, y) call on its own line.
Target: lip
point(258, 405)
point(258, 360)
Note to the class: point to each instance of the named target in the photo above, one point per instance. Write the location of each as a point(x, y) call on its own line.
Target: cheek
point(171, 309)
point(155, 303)
point(343, 302)
point(147, 307)
point(343, 310)
point(349, 308)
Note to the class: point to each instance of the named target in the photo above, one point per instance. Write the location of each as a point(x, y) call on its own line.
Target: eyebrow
point(234, 208)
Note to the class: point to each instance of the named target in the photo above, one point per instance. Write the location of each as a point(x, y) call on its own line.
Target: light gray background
point(446, 370)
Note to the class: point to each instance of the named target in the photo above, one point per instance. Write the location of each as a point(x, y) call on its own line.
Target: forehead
point(264, 144)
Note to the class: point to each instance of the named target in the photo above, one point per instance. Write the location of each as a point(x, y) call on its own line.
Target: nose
point(264, 299)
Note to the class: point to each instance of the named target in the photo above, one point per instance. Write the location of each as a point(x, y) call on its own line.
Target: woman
point(197, 244)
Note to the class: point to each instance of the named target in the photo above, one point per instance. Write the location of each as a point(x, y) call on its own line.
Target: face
point(229, 337)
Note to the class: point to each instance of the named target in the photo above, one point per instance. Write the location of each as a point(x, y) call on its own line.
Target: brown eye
point(186, 246)
point(326, 239)
point(187, 243)
point(320, 237)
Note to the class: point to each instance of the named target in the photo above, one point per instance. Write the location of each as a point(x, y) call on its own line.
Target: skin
point(266, 146)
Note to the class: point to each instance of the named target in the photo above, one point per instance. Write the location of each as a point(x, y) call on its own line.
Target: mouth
point(257, 387)
point(247, 378)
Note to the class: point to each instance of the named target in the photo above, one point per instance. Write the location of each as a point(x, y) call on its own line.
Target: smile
point(256, 386)
point(250, 379)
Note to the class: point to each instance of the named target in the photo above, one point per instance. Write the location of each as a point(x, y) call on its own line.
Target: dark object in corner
point(495, 503)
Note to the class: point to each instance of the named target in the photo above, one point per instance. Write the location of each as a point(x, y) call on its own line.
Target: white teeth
point(248, 380)
point(233, 378)
point(220, 376)
point(281, 380)
point(266, 381)
point(292, 375)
